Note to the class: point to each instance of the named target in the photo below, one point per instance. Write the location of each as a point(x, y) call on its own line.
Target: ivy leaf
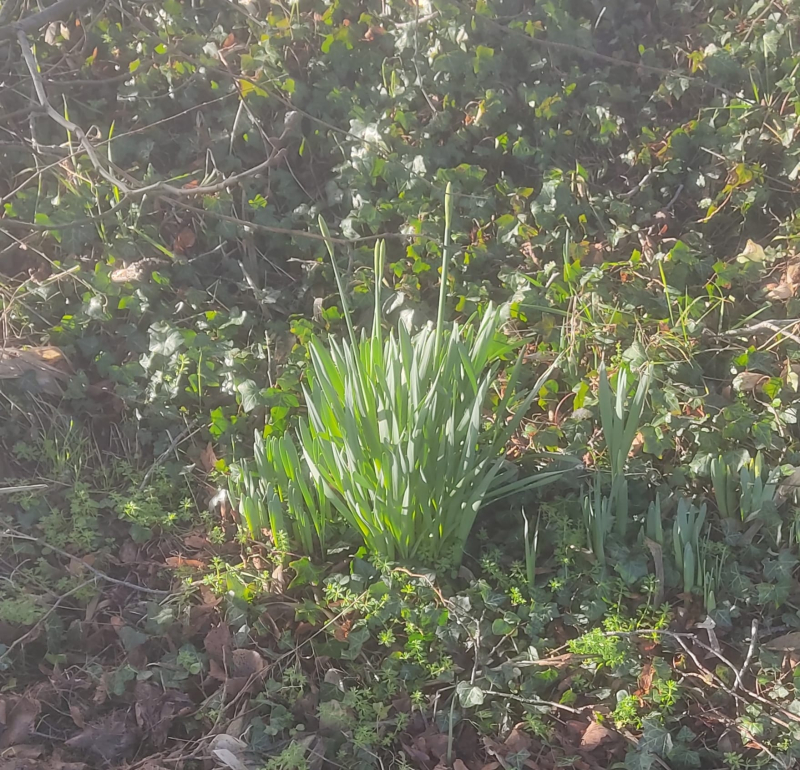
point(165, 339)
point(250, 395)
point(483, 55)
point(131, 638)
point(639, 760)
point(305, 573)
point(469, 695)
point(655, 738)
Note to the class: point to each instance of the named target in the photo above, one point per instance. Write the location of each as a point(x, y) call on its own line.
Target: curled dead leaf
point(779, 292)
point(747, 382)
point(595, 736)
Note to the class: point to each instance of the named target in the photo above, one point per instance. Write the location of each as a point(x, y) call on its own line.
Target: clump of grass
point(397, 441)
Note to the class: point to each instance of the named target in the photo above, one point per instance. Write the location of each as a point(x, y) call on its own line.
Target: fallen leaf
point(646, 678)
point(208, 460)
point(518, 740)
point(747, 382)
point(129, 552)
point(596, 735)
point(195, 541)
point(779, 292)
point(459, 765)
point(248, 663)
point(77, 716)
point(179, 561)
point(229, 759)
point(110, 739)
point(183, 240)
point(18, 719)
point(219, 644)
point(786, 643)
point(229, 751)
point(156, 709)
point(374, 32)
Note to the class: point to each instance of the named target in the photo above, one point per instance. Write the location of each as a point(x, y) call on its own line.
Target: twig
point(10, 531)
point(185, 434)
point(776, 327)
point(28, 634)
point(23, 488)
point(57, 11)
point(758, 19)
point(417, 21)
point(157, 187)
point(638, 186)
point(674, 198)
point(680, 639)
point(750, 652)
point(285, 231)
point(539, 702)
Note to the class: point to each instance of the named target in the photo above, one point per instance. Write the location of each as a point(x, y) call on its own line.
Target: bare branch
point(131, 192)
point(55, 12)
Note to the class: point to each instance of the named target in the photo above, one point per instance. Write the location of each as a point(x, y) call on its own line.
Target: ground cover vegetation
point(395, 384)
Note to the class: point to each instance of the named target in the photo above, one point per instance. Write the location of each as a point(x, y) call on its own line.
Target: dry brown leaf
point(110, 739)
point(248, 663)
point(183, 240)
point(646, 678)
point(19, 715)
point(208, 460)
point(746, 382)
point(179, 561)
point(518, 740)
point(219, 644)
point(156, 709)
point(77, 716)
point(136, 271)
point(129, 552)
point(229, 40)
point(596, 735)
point(786, 643)
point(195, 541)
point(779, 292)
point(459, 765)
point(636, 445)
